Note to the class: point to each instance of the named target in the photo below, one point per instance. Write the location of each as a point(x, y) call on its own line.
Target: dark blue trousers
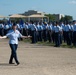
point(25, 32)
point(5, 31)
point(71, 36)
point(1, 31)
point(49, 35)
point(53, 37)
point(45, 35)
point(40, 35)
point(74, 38)
point(68, 38)
point(61, 38)
point(33, 36)
point(13, 53)
point(57, 39)
point(64, 36)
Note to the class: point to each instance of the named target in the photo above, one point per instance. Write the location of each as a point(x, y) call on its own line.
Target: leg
point(11, 58)
point(14, 55)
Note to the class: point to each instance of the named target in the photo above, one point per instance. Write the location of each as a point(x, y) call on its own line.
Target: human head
point(14, 27)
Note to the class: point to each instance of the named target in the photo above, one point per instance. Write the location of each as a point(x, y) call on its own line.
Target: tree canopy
point(66, 18)
point(51, 17)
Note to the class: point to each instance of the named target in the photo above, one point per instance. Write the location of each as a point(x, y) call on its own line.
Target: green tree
point(51, 17)
point(66, 18)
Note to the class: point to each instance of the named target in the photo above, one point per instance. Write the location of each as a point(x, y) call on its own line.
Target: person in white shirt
point(13, 36)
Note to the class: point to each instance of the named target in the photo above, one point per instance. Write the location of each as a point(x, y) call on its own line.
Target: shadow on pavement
point(6, 64)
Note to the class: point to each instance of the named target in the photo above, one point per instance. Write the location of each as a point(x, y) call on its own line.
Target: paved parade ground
point(38, 60)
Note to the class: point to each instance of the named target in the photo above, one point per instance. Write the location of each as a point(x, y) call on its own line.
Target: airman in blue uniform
point(40, 29)
point(68, 29)
point(1, 29)
point(49, 28)
point(74, 33)
point(33, 32)
point(57, 34)
point(44, 31)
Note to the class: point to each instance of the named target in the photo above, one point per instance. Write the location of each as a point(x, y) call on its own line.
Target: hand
point(0, 37)
point(29, 36)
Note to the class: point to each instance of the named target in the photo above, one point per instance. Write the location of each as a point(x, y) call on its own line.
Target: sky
point(67, 7)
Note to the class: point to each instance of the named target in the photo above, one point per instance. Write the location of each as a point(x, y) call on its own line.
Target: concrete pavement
point(38, 60)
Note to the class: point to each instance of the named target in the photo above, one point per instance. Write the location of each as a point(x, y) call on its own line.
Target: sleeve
point(20, 35)
point(8, 34)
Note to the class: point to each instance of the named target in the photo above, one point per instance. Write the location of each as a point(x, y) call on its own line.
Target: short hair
point(14, 24)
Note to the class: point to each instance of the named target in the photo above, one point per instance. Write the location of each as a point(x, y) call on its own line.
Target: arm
point(4, 37)
point(26, 37)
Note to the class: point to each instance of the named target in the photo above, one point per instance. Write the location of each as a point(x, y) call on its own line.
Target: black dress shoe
point(18, 64)
point(55, 46)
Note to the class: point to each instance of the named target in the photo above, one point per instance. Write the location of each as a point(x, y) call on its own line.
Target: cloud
point(72, 2)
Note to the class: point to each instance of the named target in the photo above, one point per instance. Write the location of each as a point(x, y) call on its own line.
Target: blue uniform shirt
point(39, 27)
point(49, 27)
point(13, 36)
point(18, 26)
point(25, 26)
point(29, 26)
point(1, 26)
point(71, 27)
point(74, 27)
point(57, 29)
point(64, 27)
point(68, 28)
point(21, 26)
point(10, 25)
point(33, 27)
point(6, 27)
point(44, 27)
point(61, 28)
point(52, 27)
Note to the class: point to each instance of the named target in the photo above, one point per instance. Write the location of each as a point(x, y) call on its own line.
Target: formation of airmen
point(54, 32)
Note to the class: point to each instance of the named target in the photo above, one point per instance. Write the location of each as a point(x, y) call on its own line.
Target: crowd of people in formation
point(55, 32)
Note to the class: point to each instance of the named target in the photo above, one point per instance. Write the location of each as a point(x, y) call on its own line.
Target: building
point(31, 12)
point(58, 16)
point(34, 15)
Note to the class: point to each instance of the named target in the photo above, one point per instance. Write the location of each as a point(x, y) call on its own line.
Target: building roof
point(2, 16)
point(37, 16)
point(17, 16)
